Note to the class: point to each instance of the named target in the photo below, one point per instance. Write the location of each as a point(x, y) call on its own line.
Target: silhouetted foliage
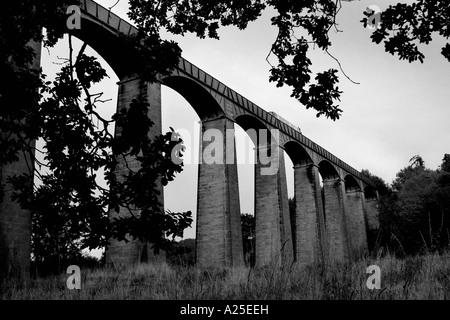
point(415, 215)
point(181, 253)
point(404, 26)
point(445, 166)
point(408, 172)
point(69, 208)
point(380, 185)
point(300, 24)
point(48, 267)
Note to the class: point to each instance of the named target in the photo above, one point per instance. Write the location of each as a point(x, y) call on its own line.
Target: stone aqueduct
point(330, 223)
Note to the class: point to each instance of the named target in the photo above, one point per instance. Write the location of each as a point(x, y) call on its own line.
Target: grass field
point(419, 277)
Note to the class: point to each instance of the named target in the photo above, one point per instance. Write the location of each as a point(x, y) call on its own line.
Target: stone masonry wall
point(274, 243)
point(371, 213)
point(121, 252)
point(308, 210)
point(356, 225)
point(334, 204)
point(286, 237)
point(15, 223)
point(219, 231)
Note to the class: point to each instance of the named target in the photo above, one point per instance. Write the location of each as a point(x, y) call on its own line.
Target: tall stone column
point(310, 225)
point(274, 243)
point(356, 223)
point(121, 252)
point(219, 231)
point(372, 221)
point(372, 214)
point(335, 212)
point(15, 223)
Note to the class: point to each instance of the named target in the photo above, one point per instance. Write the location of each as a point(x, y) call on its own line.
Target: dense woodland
point(414, 210)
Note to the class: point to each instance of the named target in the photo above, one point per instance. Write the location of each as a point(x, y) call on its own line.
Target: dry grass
point(419, 277)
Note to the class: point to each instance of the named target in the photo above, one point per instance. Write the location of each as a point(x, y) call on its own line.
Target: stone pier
point(327, 226)
point(356, 223)
point(219, 231)
point(335, 213)
point(15, 223)
point(274, 243)
point(309, 220)
point(121, 252)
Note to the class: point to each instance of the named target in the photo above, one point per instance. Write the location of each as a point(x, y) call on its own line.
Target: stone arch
point(250, 123)
point(370, 193)
point(115, 52)
point(328, 171)
point(107, 44)
point(204, 104)
point(351, 184)
point(307, 221)
point(297, 153)
point(274, 243)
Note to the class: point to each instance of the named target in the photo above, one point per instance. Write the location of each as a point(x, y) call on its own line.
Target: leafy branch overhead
point(404, 26)
point(204, 18)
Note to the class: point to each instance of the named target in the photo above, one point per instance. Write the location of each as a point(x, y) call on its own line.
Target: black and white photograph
point(214, 158)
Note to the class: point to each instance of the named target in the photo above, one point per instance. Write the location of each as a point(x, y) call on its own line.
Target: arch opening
point(204, 104)
point(258, 132)
point(370, 193)
point(328, 171)
point(247, 131)
point(108, 45)
point(351, 184)
point(271, 190)
point(181, 194)
point(297, 154)
point(246, 154)
point(50, 63)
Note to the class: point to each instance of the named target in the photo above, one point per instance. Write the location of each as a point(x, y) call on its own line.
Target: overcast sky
point(398, 110)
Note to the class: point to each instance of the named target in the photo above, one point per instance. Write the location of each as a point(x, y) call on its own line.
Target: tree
point(290, 49)
point(182, 253)
point(69, 208)
point(404, 26)
point(445, 166)
point(20, 23)
point(417, 161)
point(415, 215)
point(381, 185)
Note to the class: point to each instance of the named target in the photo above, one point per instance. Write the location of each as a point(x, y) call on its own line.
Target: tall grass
point(418, 277)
